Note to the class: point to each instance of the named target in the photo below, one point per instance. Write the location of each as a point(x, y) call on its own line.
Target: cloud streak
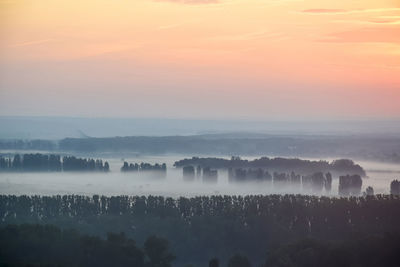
point(370, 22)
point(322, 11)
point(191, 2)
point(365, 35)
point(249, 36)
point(35, 42)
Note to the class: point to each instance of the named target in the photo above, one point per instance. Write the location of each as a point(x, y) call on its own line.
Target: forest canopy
point(219, 226)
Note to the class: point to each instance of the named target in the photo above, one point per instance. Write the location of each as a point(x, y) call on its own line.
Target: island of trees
point(299, 166)
point(53, 163)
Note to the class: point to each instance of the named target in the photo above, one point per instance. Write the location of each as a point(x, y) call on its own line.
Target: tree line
point(135, 167)
point(300, 166)
point(367, 148)
point(218, 226)
point(313, 183)
point(54, 163)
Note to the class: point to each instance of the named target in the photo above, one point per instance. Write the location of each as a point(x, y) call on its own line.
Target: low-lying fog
point(131, 183)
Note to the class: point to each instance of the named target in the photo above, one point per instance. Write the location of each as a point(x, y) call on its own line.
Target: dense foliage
point(218, 226)
point(371, 251)
point(43, 162)
point(300, 166)
point(46, 245)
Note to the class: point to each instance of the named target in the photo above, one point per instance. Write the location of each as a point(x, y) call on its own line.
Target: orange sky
point(200, 58)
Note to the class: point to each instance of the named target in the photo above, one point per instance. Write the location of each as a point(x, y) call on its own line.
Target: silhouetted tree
point(238, 260)
point(157, 252)
point(395, 187)
point(369, 191)
point(328, 182)
point(106, 167)
point(17, 164)
point(213, 263)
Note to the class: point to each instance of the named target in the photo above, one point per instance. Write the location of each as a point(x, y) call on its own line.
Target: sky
point(203, 59)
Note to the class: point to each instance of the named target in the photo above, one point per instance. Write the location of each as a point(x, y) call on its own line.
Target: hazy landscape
point(379, 176)
point(103, 183)
point(195, 133)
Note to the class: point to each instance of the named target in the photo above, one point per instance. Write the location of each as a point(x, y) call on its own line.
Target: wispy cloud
point(248, 36)
point(365, 35)
point(321, 11)
point(369, 22)
point(191, 2)
point(35, 42)
point(390, 22)
point(170, 26)
point(7, 2)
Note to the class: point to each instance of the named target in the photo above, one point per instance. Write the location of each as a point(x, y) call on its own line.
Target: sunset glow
point(200, 58)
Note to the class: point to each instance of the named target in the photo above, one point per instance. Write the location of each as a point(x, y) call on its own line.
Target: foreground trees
point(238, 260)
point(218, 226)
point(50, 246)
point(45, 245)
point(157, 252)
point(371, 251)
point(213, 263)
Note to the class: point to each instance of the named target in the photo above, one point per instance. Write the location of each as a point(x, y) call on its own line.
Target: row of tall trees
point(315, 183)
point(217, 225)
point(44, 162)
point(242, 175)
point(135, 167)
